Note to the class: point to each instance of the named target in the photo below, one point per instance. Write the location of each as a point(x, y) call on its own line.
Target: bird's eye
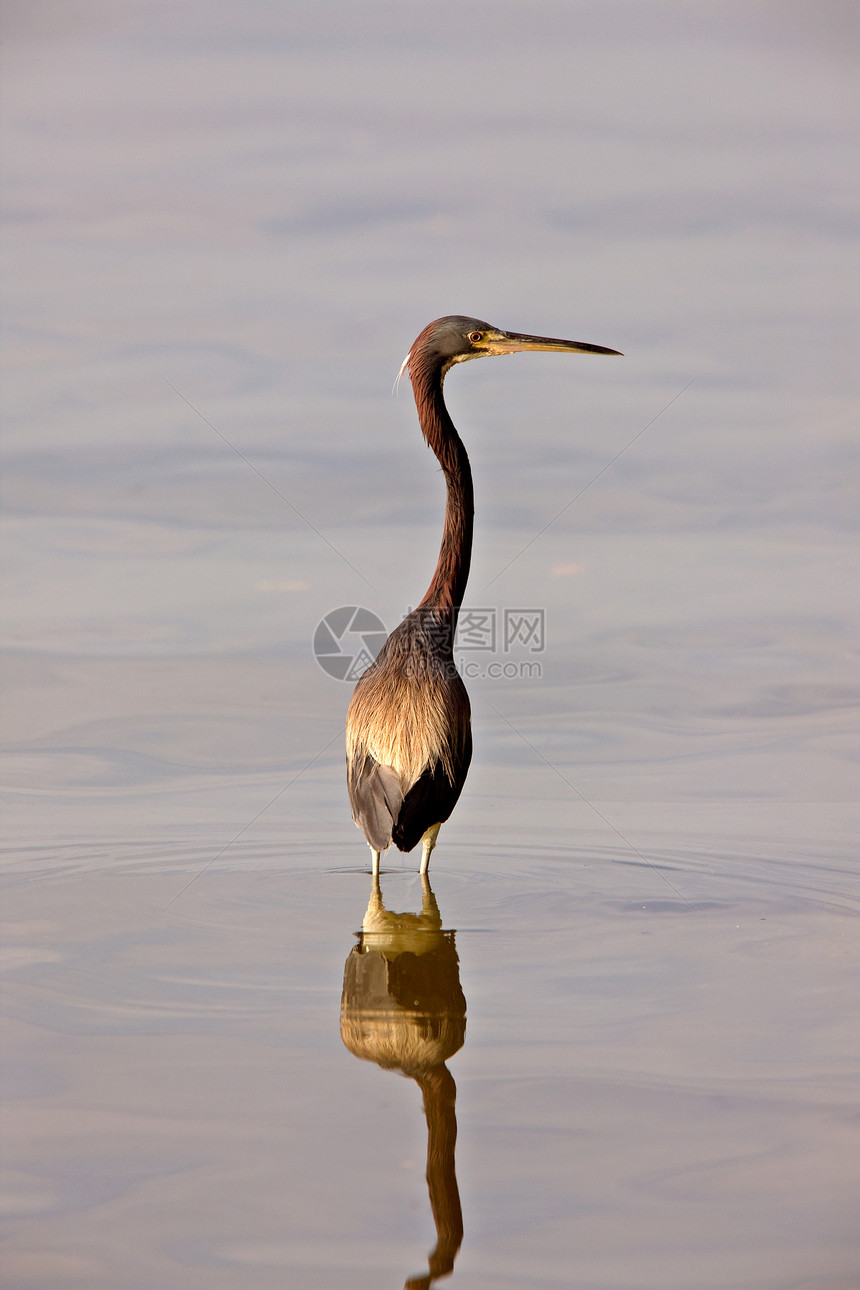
point(476, 335)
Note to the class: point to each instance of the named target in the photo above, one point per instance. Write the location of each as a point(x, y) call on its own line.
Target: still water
point(612, 1044)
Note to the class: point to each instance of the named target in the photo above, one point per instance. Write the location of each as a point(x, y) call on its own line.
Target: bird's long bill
point(509, 342)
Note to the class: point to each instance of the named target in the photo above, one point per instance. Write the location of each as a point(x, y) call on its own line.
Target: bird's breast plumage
point(410, 710)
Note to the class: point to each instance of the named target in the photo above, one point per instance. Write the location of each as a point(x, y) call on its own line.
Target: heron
point(408, 728)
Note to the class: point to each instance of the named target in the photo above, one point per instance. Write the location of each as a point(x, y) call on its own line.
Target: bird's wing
point(432, 798)
point(375, 796)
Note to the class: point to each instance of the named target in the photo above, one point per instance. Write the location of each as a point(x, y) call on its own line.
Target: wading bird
point(408, 730)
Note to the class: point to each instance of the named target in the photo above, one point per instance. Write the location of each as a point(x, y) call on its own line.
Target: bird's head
point(456, 339)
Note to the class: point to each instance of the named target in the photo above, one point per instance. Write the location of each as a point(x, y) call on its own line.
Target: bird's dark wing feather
point(375, 797)
point(430, 800)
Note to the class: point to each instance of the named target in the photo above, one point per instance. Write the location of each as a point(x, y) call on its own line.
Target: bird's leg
point(375, 855)
point(429, 841)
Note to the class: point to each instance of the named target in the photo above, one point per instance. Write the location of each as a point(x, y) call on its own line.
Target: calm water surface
point(613, 1045)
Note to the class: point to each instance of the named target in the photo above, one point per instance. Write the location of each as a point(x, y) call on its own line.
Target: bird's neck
point(448, 585)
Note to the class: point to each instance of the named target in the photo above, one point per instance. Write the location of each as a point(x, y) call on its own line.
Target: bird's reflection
point(403, 1008)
